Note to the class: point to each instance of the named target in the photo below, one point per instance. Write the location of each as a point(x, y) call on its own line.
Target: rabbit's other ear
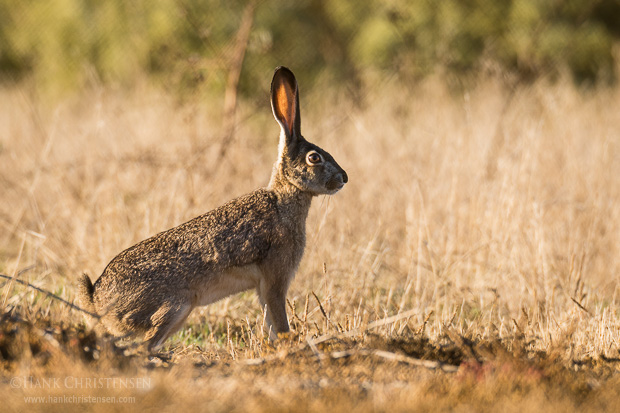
point(285, 102)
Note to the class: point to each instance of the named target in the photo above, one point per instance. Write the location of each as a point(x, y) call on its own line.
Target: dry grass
point(487, 223)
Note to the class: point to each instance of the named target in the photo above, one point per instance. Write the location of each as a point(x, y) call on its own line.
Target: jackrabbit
point(254, 241)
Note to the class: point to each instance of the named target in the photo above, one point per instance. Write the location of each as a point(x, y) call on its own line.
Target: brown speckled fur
point(254, 241)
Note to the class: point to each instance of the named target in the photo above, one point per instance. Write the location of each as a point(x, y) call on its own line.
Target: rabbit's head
point(300, 163)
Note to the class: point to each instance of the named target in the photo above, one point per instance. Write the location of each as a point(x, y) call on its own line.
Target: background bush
point(187, 44)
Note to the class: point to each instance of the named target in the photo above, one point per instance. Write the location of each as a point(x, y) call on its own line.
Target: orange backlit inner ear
point(285, 102)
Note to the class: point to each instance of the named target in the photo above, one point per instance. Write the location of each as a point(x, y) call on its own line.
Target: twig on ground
point(428, 364)
point(50, 294)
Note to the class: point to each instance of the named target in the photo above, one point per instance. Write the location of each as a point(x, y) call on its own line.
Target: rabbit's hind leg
point(166, 321)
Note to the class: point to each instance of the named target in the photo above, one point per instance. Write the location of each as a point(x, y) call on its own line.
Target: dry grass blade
point(581, 306)
point(360, 331)
point(12, 279)
point(327, 321)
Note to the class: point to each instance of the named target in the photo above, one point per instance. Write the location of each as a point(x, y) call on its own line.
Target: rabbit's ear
point(285, 103)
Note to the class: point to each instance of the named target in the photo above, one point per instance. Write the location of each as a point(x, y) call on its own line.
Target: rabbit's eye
point(313, 158)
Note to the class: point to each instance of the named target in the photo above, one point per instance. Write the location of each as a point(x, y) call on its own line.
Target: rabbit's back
point(235, 235)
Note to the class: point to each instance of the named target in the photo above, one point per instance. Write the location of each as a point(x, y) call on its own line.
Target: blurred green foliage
point(187, 44)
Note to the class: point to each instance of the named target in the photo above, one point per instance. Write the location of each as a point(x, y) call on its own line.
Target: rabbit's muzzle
point(337, 182)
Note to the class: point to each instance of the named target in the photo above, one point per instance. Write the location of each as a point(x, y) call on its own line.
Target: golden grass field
point(471, 263)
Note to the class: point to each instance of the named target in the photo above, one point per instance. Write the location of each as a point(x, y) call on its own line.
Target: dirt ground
point(47, 366)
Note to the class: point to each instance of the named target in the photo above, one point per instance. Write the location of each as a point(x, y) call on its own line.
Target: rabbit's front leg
point(272, 295)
